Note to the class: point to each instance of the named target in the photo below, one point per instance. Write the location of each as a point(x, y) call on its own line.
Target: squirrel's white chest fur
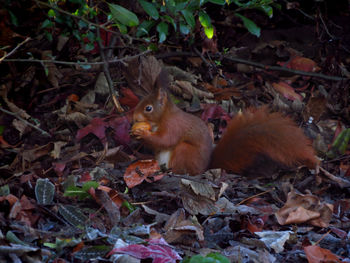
point(163, 158)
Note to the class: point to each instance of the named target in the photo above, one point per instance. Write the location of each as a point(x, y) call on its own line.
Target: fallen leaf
point(287, 91)
point(316, 254)
point(129, 98)
point(97, 127)
point(178, 228)
point(121, 127)
point(304, 209)
point(301, 63)
point(157, 249)
point(142, 170)
point(274, 239)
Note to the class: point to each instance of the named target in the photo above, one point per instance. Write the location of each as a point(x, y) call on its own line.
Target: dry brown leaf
point(315, 108)
point(179, 74)
point(178, 228)
point(53, 73)
point(303, 64)
point(316, 254)
point(187, 87)
point(287, 91)
point(198, 201)
point(304, 209)
point(33, 154)
point(56, 152)
point(142, 74)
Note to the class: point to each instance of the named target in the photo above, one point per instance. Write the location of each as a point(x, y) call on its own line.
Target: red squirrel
point(255, 142)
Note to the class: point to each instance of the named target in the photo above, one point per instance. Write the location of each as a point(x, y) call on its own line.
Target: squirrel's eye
point(148, 108)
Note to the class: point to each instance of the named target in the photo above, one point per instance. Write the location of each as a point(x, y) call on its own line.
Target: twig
point(76, 63)
point(26, 122)
point(210, 66)
point(325, 27)
point(257, 65)
point(342, 183)
point(251, 197)
point(324, 235)
point(112, 92)
point(277, 68)
point(14, 50)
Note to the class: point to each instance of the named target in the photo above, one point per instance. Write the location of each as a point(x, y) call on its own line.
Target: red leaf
point(213, 111)
point(59, 168)
point(121, 127)
point(137, 172)
point(129, 98)
point(157, 249)
point(85, 177)
point(97, 126)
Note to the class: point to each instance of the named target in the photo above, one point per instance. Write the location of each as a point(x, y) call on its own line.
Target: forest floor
point(73, 188)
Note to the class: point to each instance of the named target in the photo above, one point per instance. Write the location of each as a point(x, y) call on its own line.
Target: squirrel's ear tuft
point(162, 96)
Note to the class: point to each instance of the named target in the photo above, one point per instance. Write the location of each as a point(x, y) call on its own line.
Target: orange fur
point(256, 137)
point(260, 132)
point(186, 136)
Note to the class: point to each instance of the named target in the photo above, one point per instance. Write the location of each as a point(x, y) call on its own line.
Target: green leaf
point(162, 29)
point(50, 245)
point(150, 9)
point(89, 46)
point(51, 13)
point(47, 23)
point(196, 259)
point(184, 29)
point(5, 190)
point(218, 2)
point(170, 5)
point(153, 47)
point(74, 191)
point(122, 28)
point(202, 2)
point(204, 19)
point(129, 206)
point(122, 15)
point(181, 6)
point(188, 15)
point(77, 34)
point(267, 10)
point(250, 25)
point(218, 257)
point(340, 144)
point(48, 36)
point(14, 19)
point(278, 6)
point(82, 24)
point(236, 2)
point(144, 28)
point(170, 20)
point(209, 32)
point(88, 185)
point(44, 191)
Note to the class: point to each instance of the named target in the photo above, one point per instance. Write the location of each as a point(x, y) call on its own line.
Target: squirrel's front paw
point(141, 129)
